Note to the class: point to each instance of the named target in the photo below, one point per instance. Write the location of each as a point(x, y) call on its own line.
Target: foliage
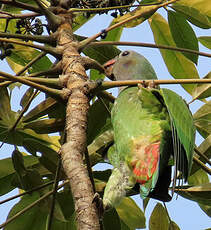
point(34, 129)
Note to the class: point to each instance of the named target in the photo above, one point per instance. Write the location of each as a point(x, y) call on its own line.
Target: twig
point(202, 165)
point(55, 52)
point(21, 5)
point(8, 15)
point(203, 156)
point(111, 84)
point(37, 38)
point(27, 192)
point(50, 91)
point(55, 188)
point(149, 45)
point(42, 54)
point(87, 41)
point(30, 206)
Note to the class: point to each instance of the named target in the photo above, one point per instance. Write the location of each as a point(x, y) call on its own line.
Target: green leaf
point(200, 194)
point(202, 120)
point(27, 95)
point(45, 126)
point(179, 113)
point(131, 214)
point(205, 149)
point(202, 91)
point(206, 41)
point(173, 226)
point(145, 12)
point(178, 65)
point(99, 119)
point(183, 34)
point(18, 162)
point(111, 220)
point(198, 12)
point(159, 219)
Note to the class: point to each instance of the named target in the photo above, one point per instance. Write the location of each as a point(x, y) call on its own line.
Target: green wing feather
point(183, 123)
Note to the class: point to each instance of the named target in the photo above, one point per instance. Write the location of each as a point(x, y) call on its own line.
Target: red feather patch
point(146, 167)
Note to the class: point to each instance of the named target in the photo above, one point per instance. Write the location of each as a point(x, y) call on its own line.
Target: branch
point(7, 15)
point(30, 206)
point(202, 165)
point(21, 5)
point(50, 91)
point(149, 45)
point(111, 84)
point(87, 41)
point(37, 38)
point(53, 51)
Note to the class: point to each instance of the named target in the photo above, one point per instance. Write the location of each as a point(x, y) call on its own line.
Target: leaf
point(205, 41)
point(7, 172)
point(202, 119)
point(179, 113)
point(205, 149)
point(99, 119)
point(27, 95)
point(131, 214)
point(158, 219)
point(43, 108)
point(198, 12)
point(45, 126)
point(183, 34)
point(111, 220)
point(18, 163)
point(202, 91)
point(173, 226)
point(144, 11)
point(178, 65)
point(201, 194)
point(101, 53)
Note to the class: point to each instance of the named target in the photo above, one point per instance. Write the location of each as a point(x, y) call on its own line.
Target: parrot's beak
point(109, 68)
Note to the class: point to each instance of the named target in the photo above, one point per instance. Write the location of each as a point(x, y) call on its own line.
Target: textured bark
point(76, 123)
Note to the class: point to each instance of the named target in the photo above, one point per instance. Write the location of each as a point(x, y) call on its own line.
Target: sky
point(185, 213)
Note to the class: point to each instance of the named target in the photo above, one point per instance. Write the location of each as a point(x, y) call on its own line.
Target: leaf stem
point(55, 52)
point(203, 156)
point(202, 165)
point(37, 38)
point(7, 15)
point(87, 41)
point(30, 206)
point(50, 91)
point(149, 45)
point(111, 84)
point(27, 192)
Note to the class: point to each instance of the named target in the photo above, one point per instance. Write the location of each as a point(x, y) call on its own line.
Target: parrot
point(150, 135)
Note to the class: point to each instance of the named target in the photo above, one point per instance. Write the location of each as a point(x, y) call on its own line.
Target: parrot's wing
point(183, 128)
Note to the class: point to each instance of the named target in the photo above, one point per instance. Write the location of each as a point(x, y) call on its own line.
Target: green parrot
point(153, 130)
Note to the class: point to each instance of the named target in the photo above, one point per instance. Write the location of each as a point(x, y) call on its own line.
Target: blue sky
point(185, 213)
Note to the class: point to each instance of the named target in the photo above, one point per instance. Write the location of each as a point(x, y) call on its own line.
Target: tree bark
point(76, 124)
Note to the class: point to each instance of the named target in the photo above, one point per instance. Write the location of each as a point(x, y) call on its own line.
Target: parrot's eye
point(125, 53)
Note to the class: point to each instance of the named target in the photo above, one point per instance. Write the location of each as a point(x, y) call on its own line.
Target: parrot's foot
point(99, 204)
point(148, 84)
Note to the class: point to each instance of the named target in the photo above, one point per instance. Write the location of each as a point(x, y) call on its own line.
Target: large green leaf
point(183, 34)
point(131, 214)
point(197, 12)
point(179, 113)
point(206, 41)
point(201, 194)
point(178, 65)
point(111, 220)
point(7, 172)
point(202, 120)
point(159, 218)
point(99, 119)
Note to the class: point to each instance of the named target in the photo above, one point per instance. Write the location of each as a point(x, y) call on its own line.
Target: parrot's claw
point(99, 204)
point(147, 84)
